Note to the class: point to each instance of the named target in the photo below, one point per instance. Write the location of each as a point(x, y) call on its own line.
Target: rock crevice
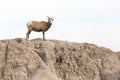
point(6, 52)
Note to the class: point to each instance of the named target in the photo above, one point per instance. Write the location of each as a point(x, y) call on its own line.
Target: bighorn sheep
point(41, 26)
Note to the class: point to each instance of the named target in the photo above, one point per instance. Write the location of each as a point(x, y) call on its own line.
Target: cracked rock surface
point(21, 59)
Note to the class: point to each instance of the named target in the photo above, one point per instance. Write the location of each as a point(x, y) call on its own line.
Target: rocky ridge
point(36, 59)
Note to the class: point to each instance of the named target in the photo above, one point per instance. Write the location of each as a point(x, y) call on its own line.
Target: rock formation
point(21, 59)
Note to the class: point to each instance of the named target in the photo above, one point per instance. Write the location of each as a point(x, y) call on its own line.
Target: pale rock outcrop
point(21, 59)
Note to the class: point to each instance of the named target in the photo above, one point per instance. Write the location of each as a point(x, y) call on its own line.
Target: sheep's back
point(40, 26)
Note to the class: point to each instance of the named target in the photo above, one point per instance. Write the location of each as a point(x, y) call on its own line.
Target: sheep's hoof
point(27, 39)
point(44, 39)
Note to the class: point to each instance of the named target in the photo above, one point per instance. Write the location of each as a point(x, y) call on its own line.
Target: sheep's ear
point(48, 17)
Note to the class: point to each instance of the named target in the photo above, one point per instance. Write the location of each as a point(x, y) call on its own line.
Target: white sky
point(91, 21)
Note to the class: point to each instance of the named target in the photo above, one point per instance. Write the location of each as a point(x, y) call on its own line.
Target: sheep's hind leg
point(27, 34)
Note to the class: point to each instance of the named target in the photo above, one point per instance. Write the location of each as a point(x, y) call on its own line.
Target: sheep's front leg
point(44, 35)
point(27, 34)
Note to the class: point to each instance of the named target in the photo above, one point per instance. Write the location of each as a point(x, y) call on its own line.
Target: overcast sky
point(91, 21)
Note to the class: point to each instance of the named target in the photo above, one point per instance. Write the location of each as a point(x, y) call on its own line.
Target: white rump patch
point(29, 23)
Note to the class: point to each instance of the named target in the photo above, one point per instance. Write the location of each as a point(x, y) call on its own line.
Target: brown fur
point(39, 27)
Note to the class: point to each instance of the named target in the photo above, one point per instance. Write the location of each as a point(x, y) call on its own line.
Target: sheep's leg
point(27, 34)
point(43, 35)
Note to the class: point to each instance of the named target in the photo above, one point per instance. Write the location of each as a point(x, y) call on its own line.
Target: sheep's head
point(50, 19)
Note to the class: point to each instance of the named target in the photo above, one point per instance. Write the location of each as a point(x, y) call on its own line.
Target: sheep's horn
point(53, 17)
